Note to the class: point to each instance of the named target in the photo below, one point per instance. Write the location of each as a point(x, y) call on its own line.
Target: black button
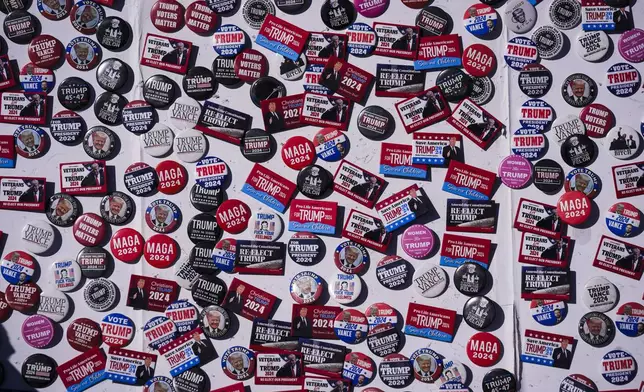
point(208, 290)
point(63, 209)
point(139, 117)
point(455, 84)
point(67, 127)
point(112, 74)
point(592, 337)
point(39, 371)
point(384, 339)
point(497, 380)
point(206, 200)
point(21, 27)
point(223, 68)
point(470, 279)
point(141, 179)
point(482, 90)
point(394, 272)
point(117, 208)
point(314, 181)
point(100, 142)
point(93, 261)
point(203, 227)
point(12, 5)
point(199, 83)
point(578, 151)
point(108, 108)
point(201, 258)
point(113, 33)
point(479, 312)
point(548, 176)
point(75, 93)
point(192, 380)
point(266, 87)
point(338, 14)
point(258, 145)
point(433, 21)
point(159, 91)
point(535, 80)
point(306, 248)
point(224, 7)
point(376, 123)
point(291, 6)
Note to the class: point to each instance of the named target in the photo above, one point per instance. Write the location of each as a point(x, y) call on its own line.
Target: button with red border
point(479, 60)
point(117, 330)
point(89, 229)
point(84, 334)
point(160, 251)
point(484, 349)
point(598, 120)
point(200, 18)
point(22, 297)
point(45, 51)
point(5, 309)
point(250, 65)
point(173, 177)
point(573, 208)
point(233, 216)
point(298, 152)
point(167, 16)
point(127, 245)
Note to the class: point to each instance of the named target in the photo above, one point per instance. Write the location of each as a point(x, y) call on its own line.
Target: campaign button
point(99, 142)
point(480, 19)
point(583, 180)
point(573, 208)
point(190, 145)
point(203, 227)
point(112, 74)
point(159, 91)
point(618, 367)
point(215, 321)
point(338, 14)
point(455, 84)
point(351, 257)
point(67, 127)
point(520, 15)
point(361, 40)
point(238, 363)
point(371, 9)
point(75, 93)
point(117, 330)
point(566, 126)
point(45, 51)
point(289, 69)
point(22, 297)
point(31, 141)
point(394, 272)
point(233, 216)
point(577, 382)
point(344, 288)
point(113, 33)
point(159, 331)
point(5, 309)
point(427, 365)
point(211, 173)
point(500, 379)
point(160, 251)
point(624, 219)
point(158, 141)
point(117, 208)
point(314, 181)
point(548, 312)
point(549, 41)
point(7, 7)
point(255, 11)
point(600, 294)
point(394, 370)
point(139, 117)
point(630, 319)
point(93, 261)
point(201, 258)
point(624, 142)
point(172, 177)
point(298, 152)
point(184, 274)
point(162, 216)
point(37, 237)
point(86, 15)
point(167, 16)
point(200, 18)
point(579, 90)
point(20, 27)
point(565, 14)
point(479, 60)
point(482, 90)
point(454, 373)
point(206, 200)
point(257, 145)
point(199, 83)
point(63, 209)
point(381, 313)
point(470, 279)
point(127, 245)
point(265, 225)
point(37, 331)
point(65, 275)
point(100, 294)
point(415, 3)
point(250, 65)
point(83, 53)
point(38, 371)
point(84, 334)
point(432, 20)
point(351, 326)
point(631, 45)
point(519, 52)
point(306, 249)
point(385, 340)
point(89, 229)
point(596, 329)
point(376, 123)
point(306, 287)
point(598, 120)
point(331, 144)
point(184, 315)
point(54, 10)
point(224, 254)
point(417, 241)
point(140, 179)
point(578, 150)
point(108, 108)
point(484, 349)
point(479, 312)
point(515, 171)
point(535, 80)
point(292, 7)
point(623, 80)
point(18, 267)
point(193, 379)
point(228, 41)
point(528, 143)
point(430, 280)
point(537, 114)
point(266, 87)
point(592, 45)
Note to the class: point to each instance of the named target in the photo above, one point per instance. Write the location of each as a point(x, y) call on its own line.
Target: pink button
point(515, 171)
point(418, 241)
point(631, 45)
point(371, 8)
point(37, 331)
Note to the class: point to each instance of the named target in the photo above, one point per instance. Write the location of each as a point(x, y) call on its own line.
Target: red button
point(200, 18)
point(484, 349)
point(45, 51)
point(479, 60)
point(5, 309)
point(127, 245)
point(172, 177)
point(160, 251)
point(598, 119)
point(84, 334)
point(22, 297)
point(298, 152)
point(573, 208)
point(167, 16)
point(233, 216)
point(89, 229)
point(250, 65)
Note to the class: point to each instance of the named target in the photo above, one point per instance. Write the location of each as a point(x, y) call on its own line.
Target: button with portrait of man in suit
point(20, 26)
point(31, 141)
point(596, 329)
point(86, 15)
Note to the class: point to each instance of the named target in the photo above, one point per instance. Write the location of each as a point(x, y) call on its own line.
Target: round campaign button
point(162, 216)
point(83, 53)
point(190, 146)
point(376, 123)
point(537, 114)
point(228, 41)
point(84, 334)
point(167, 16)
point(371, 9)
point(193, 379)
point(535, 80)
point(238, 363)
point(583, 180)
point(359, 370)
point(206, 200)
point(479, 312)
point(31, 141)
point(140, 179)
point(224, 7)
point(306, 249)
point(117, 330)
point(573, 208)
point(184, 113)
point(36, 79)
point(394, 272)
point(211, 173)
point(127, 245)
point(630, 319)
point(223, 254)
point(93, 261)
point(22, 297)
point(484, 349)
point(579, 90)
point(5, 309)
point(600, 294)
point(139, 117)
point(344, 288)
point(454, 374)
point(578, 151)
point(430, 280)
point(630, 45)
point(351, 257)
point(158, 141)
point(427, 365)
point(470, 279)
point(566, 126)
point(45, 51)
point(203, 227)
point(65, 275)
point(618, 367)
point(20, 27)
point(172, 177)
point(215, 321)
point(394, 371)
point(208, 290)
point(455, 84)
point(361, 40)
point(99, 142)
point(549, 40)
point(160, 251)
point(383, 340)
point(37, 237)
point(314, 181)
point(159, 331)
point(117, 208)
point(331, 144)
point(184, 315)
point(497, 380)
point(623, 80)
point(416, 4)
point(565, 14)
point(54, 10)
point(592, 45)
point(596, 329)
point(108, 108)
point(482, 90)
point(520, 15)
point(113, 33)
point(479, 60)
point(577, 382)
point(480, 19)
point(306, 287)
point(86, 15)
point(18, 267)
point(14, 5)
point(233, 216)
point(201, 258)
point(623, 219)
point(351, 326)
point(39, 370)
point(199, 83)
point(381, 313)
point(529, 143)
point(112, 74)
point(257, 145)
point(598, 120)
point(67, 127)
point(338, 14)
point(159, 91)
point(519, 52)
point(89, 229)
point(75, 93)
point(266, 87)
point(100, 294)
point(433, 20)
point(548, 312)
point(250, 65)
point(200, 18)
point(298, 152)
point(417, 241)
point(291, 7)
point(289, 69)
point(255, 11)
point(265, 225)
point(515, 171)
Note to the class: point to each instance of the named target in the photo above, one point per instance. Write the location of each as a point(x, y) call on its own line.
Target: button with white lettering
point(37, 237)
point(201, 258)
point(338, 14)
point(265, 225)
point(113, 33)
point(394, 370)
point(515, 171)
point(630, 319)
point(598, 120)
point(86, 16)
point(100, 294)
point(351, 257)
point(200, 18)
point(65, 275)
point(565, 14)
point(376, 123)
point(162, 216)
point(84, 334)
point(529, 143)
point(381, 313)
point(306, 248)
point(54, 10)
point(167, 16)
point(255, 11)
point(31, 141)
point(184, 315)
point(39, 370)
point(583, 180)
point(206, 200)
point(223, 255)
point(190, 146)
point(371, 9)
point(479, 60)
point(385, 340)
point(158, 141)
point(203, 227)
point(314, 181)
point(345, 288)
point(211, 173)
point(359, 370)
point(93, 261)
point(199, 83)
point(45, 51)
point(83, 53)
point(5, 309)
point(416, 4)
point(331, 144)
point(535, 80)
point(233, 216)
point(159, 91)
point(455, 84)
point(579, 90)
point(427, 365)
point(266, 87)
point(127, 245)
point(108, 108)
point(574, 208)
point(75, 93)
point(433, 21)
point(172, 177)
point(470, 279)
point(117, 208)
point(351, 326)
point(13, 5)
point(215, 321)
point(361, 41)
point(117, 330)
point(224, 7)
point(578, 151)
point(630, 45)
point(519, 52)
point(160, 251)
point(618, 367)
point(139, 117)
point(250, 65)
point(484, 349)
point(306, 287)
point(430, 280)
point(298, 152)
point(112, 74)
point(577, 383)
point(159, 331)
point(238, 363)
point(228, 41)
point(520, 15)
point(20, 27)
point(417, 241)
point(600, 294)
point(289, 69)
point(624, 219)
point(193, 379)
point(549, 41)
point(497, 380)
point(67, 127)
point(394, 272)
point(623, 80)
point(89, 229)
point(480, 19)
point(18, 267)
point(22, 297)
point(257, 145)
point(482, 90)
point(479, 312)
point(592, 45)
point(537, 114)
point(141, 179)
point(292, 7)
point(99, 142)
point(596, 329)
point(548, 312)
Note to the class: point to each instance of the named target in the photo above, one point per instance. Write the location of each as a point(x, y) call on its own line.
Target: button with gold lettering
point(127, 245)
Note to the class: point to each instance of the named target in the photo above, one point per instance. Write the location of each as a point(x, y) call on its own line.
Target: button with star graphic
point(548, 312)
point(159, 91)
point(228, 41)
point(480, 19)
point(351, 326)
point(100, 294)
point(394, 272)
point(344, 288)
point(515, 171)
point(314, 181)
point(257, 145)
point(376, 123)
point(618, 367)
point(600, 295)
point(623, 80)
point(113, 33)
point(549, 40)
point(173, 177)
point(306, 248)
point(100, 142)
point(430, 280)
point(140, 179)
point(470, 279)
point(167, 15)
point(535, 80)
point(479, 312)
point(93, 261)
point(22, 297)
point(162, 216)
point(127, 245)
point(351, 257)
point(384, 340)
point(484, 349)
point(206, 200)
point(361, 40)
point(629, 320)
point(139, 117)
point(306, 287)
point(497, 380)
point(117, 330)
point(31, 141)
point(596, 329)
point(201, 258)
point(394, 369)
point(577, 382)
point(117, 208)
point(18, 267)
point(427, 365)
point(519, 52)
point(67, 127)
point(159, 331)
point(211, 173)
point(86, 15)
point(45, 51)
point(184, 315)
point(338, 14)
point(84, 334)
point(583, 180)
point(520, 15)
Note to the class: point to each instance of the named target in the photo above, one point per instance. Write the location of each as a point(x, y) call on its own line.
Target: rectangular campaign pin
point(313, 216)
point(430, 322)
point(325, 111)
point(83, 371)
point(314, 321)
point(281, 114)
point(345, 79)
point(223, 123)
point(269, 188)
point(23, 108)
point(476, 123)
point(282, 37)
point(366, 230)
point(538, 218)
point(358, 184)
point(438, 52)
point(130, 367)
point(597, 15)
point(23, 193)
point(470, 216)
point(155, 295)
point(168, 54)
point(7, 152)
point(323, 45)
point(423, 109)
point(547, 349)
point(468, 181)
point(541, 250)
point(251, 303)
point(620, 257)
point(398, 80)
point(83, 178)
point(279, 368)
point(545, 283)
point(400, 41)
point(272, 334)
point(403, 207)
point(457, 250)
point(188, 351)
point(436, 149)
point(322, 358)
point(260, 257)
point(396, 161)
point(629, 179)
point(8, 80)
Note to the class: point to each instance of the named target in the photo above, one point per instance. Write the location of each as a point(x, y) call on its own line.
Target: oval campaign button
point(233, 216)
point(484, 349)
point(127, 245)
